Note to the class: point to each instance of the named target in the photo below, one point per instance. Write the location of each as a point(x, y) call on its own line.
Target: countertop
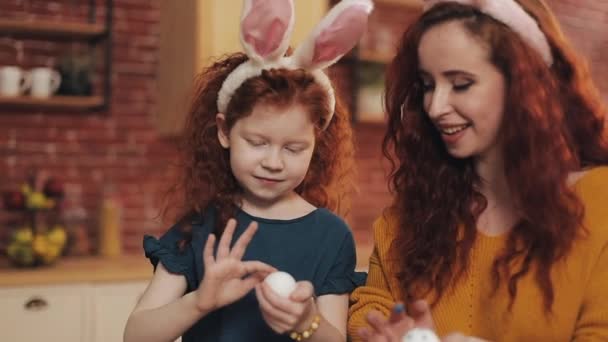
point(79, 270)
point(101, 269)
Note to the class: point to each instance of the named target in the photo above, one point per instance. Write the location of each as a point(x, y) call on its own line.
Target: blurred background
point(92, 96)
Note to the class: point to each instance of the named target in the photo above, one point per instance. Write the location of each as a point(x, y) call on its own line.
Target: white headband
point(266, 27)
point(514, 16)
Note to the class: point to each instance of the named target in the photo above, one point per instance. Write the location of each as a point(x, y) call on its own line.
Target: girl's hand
point(227, 278)
point(283, 315)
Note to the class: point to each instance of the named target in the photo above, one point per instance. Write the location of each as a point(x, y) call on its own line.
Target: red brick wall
point(585, 22)
point(90, 150)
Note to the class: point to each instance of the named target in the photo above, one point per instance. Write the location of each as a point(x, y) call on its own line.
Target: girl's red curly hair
point(554, 124)
point(204, 175)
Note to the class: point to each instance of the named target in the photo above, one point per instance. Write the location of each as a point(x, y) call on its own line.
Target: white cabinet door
point(46, 313)
point(112, 304)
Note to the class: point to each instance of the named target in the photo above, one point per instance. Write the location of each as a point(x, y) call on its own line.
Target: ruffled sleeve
point(342, 277)
point(166, 251)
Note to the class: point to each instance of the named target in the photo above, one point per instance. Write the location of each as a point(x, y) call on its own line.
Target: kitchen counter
point(100, 269)
point(79, 270)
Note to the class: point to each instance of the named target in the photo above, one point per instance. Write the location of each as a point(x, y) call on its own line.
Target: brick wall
point(91, 150)
point(122, 147)
point(585, 22)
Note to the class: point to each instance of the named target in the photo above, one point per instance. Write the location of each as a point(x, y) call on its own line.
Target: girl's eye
point(293, 149)
point(256, 142)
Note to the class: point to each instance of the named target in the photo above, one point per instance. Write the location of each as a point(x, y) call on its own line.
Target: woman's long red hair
point(204, 176)
point(554, 124)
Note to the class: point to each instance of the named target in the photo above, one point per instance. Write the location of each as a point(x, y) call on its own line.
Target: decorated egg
point(281, 282)
point(420, 335)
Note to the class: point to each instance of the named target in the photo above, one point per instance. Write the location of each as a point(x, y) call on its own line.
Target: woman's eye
point(462, 86)
point(426, 86)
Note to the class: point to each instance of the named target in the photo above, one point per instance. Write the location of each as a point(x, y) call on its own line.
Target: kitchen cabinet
point(75, 300)
point(68, 313)
point(44, 313)
point(111, 305)
point(95, 312)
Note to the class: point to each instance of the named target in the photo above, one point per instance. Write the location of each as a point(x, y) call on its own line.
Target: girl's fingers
point(277, 327)
point(304, 291)
point(286, 306)
point(249, 283)
point(223, 249)
point(257, 268)
point(273, 314)
point(238, 250)
point(208, 251)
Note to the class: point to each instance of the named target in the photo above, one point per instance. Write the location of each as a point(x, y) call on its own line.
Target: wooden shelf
point(48, 29)
point(373, 56)
point(414, 4)
point(54, 102)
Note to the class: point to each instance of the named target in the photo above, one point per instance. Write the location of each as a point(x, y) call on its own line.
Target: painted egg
point(420, 335)
point(281, 282)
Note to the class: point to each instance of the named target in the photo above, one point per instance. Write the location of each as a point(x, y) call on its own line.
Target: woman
point(497, 135)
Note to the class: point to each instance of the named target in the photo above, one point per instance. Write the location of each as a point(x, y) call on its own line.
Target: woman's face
point(464, 93)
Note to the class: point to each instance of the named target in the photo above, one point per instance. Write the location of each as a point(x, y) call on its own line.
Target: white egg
point(281, 282)
point(420, 335)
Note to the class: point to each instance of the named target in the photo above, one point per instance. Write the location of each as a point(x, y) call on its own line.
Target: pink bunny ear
point(265, 28)
point(335, 35)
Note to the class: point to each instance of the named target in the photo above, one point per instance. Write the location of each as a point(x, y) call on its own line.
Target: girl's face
point(464, 92)
point(270, 151)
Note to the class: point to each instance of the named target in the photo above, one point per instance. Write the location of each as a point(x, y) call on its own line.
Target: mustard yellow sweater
point(580, 308)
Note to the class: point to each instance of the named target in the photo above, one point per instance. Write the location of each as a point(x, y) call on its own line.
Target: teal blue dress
point(317, 247)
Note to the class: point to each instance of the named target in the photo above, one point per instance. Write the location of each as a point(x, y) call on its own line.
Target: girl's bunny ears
point(510, 13)
point(266, 27)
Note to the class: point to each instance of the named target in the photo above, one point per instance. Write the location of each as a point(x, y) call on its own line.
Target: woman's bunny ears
point(266, 27)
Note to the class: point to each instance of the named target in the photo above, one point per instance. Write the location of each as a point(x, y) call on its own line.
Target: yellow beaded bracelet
point(299, 336)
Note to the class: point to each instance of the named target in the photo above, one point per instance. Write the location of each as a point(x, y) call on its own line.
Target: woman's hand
point(227, 278)
point(399, 323)
point(283, 315)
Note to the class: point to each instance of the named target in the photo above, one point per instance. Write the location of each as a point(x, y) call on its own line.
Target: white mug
point(13, 81)
point(45, 82)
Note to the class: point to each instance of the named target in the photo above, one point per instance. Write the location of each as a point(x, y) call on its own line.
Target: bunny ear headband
point(510, 13)
point(266, 27)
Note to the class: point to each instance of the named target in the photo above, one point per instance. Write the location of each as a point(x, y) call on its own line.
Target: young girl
point(266, 143)
point(499, 216)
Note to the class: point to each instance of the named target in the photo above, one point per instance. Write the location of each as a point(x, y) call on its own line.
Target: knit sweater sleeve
point(592, 323)
point(375, 294)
